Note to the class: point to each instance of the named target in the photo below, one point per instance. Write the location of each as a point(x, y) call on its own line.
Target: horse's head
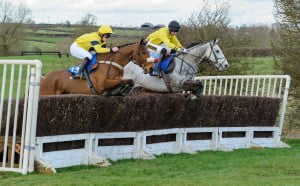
point(210, 52)
point(216, 56)
point(141, 57)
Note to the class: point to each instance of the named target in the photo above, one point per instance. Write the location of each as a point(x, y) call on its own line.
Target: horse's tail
point(48, 84)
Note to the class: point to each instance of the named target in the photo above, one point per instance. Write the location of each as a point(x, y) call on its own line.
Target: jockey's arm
point(176, 42)
point(166, 40)
point(99, 49)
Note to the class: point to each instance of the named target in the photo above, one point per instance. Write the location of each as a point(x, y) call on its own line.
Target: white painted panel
point(64, 158)
point(115, 152)
point(199, 145)
point(265, 142)
point(161, 148)
point(234, 143)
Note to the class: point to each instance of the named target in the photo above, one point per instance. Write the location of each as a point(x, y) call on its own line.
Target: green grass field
point(241, 167)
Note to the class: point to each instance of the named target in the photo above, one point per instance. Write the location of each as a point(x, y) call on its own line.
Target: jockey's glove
point(181, 50)
point(173, 51)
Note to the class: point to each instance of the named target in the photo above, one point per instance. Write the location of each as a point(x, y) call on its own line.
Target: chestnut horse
point(108, 74)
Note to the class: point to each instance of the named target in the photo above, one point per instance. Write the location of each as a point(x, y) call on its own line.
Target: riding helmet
point(105, 29)
point(174, 26)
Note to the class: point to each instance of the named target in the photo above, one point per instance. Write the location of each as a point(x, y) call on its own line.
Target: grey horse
point(186, 65)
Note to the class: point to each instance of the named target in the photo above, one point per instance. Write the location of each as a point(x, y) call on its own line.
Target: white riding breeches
point(79, 52)
point(155, 49)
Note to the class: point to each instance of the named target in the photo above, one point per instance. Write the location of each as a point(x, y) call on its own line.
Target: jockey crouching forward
point(163, 42)
point(82, 47)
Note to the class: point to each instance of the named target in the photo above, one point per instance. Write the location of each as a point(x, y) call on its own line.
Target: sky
point(133, 13)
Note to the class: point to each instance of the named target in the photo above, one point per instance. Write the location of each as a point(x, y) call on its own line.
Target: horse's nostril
point(226, 66)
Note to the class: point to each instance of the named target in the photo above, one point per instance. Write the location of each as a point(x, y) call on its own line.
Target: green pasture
point(124, 32)
point(38, 46)
point(50, 32)
point(47, 39)
point(61, 28)
point(241, 167)
point(260, 66)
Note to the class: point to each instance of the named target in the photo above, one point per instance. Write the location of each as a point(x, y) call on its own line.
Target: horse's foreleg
point(111, 83)
point(120, 88)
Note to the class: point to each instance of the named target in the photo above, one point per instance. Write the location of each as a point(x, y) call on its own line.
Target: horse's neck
point(196, 55)
point(122, 57)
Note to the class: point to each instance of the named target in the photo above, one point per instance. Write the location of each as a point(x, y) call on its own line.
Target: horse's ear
point(142, 42)
point(216, 40)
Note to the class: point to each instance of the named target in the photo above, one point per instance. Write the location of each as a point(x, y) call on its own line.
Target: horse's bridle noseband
point(138, 53)
point(216, 57)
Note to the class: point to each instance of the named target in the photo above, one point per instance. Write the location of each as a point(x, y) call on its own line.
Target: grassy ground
point(240, 167)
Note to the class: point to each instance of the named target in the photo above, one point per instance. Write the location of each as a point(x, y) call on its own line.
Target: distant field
point(44, 39)
point(37, 46)
point(47, 39)
point(261, 65)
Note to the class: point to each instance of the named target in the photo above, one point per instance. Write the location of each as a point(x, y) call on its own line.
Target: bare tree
point(287, 13)
point(211, 22)
point(12, 19)
point(86, 25)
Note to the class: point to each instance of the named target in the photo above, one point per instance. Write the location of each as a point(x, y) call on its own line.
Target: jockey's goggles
point(106, 35)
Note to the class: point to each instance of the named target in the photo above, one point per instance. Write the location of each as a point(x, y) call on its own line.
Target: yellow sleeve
point(100, 49)
point(176, 42)
point(164, 38)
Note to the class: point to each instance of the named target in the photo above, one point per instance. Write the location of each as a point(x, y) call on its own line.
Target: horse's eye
point(217, 51)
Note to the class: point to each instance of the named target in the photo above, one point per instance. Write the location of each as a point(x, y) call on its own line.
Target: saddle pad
point(164, 64)
point(75, 69)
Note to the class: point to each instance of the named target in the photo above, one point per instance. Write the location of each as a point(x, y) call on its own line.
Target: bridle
point(216, 63)
point(212, 52)
point(201, 58)
point(137, 54)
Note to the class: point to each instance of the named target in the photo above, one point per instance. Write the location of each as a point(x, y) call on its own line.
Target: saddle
point(167, 65)
point(91, 67)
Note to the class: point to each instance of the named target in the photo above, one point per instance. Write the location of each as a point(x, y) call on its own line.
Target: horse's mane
point(193, 44)
point(124, 45)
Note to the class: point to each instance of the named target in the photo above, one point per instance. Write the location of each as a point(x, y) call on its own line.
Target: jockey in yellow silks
point(86, 44)
point(164, 41)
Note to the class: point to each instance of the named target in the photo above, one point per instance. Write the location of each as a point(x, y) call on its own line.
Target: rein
point(111, 63)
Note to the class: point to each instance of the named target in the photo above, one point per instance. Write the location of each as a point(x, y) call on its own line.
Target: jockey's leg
point(83, 64)
point(162, 56)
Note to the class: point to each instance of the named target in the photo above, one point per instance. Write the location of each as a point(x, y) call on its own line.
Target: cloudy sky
point(136, 12)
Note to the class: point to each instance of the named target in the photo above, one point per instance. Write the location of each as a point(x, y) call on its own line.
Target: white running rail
point(19, 88)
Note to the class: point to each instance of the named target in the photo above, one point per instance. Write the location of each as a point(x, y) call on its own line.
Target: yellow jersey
point(92, 41)
point(163, 36)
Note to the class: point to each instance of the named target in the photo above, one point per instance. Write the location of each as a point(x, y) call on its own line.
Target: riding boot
point(83, 64)
point(161, 57)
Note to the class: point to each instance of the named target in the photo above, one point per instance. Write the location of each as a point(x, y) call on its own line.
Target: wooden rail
point(23, 53)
